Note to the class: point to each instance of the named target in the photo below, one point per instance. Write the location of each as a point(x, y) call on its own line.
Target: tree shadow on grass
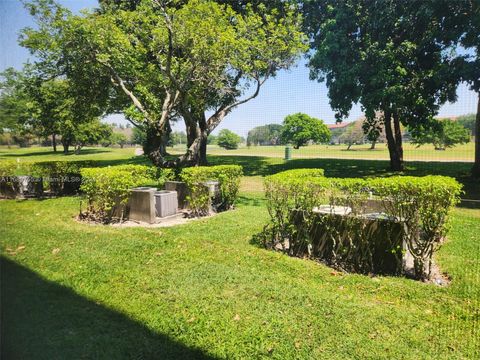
point(250, 201)
point(44, 320)
point(348, 168)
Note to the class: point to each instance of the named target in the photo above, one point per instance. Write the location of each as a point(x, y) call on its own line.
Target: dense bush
point(287, 191)
point(228, 177)
point(421, 205)
point(107, 189)
point(8, 168)
point(61, 177)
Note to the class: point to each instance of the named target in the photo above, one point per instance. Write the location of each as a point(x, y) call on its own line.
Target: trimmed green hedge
point(60, 177)
point(228, 177)
point(422, 204)
point(108, 189)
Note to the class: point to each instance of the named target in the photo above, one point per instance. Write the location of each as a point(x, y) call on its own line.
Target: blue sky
point(290, 92)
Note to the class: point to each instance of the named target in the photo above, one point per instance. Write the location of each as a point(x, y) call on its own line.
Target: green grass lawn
point(206, 290)
point(36, 153)
point(463, 153)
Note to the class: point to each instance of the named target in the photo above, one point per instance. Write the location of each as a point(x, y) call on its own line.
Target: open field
point(36, 153)
point(206, 290)
point(255, 166)
point(463, 153)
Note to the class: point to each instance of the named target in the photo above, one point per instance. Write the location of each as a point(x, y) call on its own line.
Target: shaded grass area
point(70, 326)
point(257, 166)
point(109, 155)
point(203, 290)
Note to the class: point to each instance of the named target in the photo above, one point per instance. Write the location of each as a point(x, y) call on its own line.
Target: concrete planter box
point(213, 187)
point(182, 192)
point(166, 203)
point(23, 186)
point(142, 204)
point(7, 189)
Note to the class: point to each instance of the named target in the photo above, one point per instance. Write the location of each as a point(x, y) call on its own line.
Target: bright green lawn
point(411, 152)
point(36, 153)
point(205, 290)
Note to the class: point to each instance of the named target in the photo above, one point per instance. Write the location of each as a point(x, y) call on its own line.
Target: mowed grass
point(463, 153)
point(36, 153)
point(206, 290)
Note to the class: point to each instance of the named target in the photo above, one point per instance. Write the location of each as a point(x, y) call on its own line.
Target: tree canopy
point(159, 61)
point(298, 129)
point(385, 56)
point(265, 135)
point(228, 139)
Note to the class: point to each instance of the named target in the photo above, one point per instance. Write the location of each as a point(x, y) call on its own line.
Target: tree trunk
point(197, 134)
point(372, 147)
point(394, 141)
point(196, 152)
point(66, 146)
point(476, 165)
point(155, 146)
point(54, 142)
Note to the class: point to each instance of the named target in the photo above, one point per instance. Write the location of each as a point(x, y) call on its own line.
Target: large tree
point(298, 129)
point(265, 135)
point(383, 55)
point(160, 61)
point(442, 134)
point(14, 107)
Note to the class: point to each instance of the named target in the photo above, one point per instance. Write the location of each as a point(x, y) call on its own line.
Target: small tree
point(228, 139)
point(300, 128)
point(353, 135)
point(119, 139)
point(90, 133)
point(178, 137)
point(139, 136)
point(442, 134)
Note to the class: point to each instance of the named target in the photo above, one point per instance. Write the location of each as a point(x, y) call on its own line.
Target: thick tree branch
point(218, 116)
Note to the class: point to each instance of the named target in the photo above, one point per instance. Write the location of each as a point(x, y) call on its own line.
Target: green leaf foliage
point(420, 204)
point(228, 139)
point(108, 189)
point(442, 134)
point(298, 129)
point(228, 177)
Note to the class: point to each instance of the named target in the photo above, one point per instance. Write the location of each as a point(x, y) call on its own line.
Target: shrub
point(8, 168)
point(108, 189)
point(61, 177)
point(420, 205)
point(228, 177)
